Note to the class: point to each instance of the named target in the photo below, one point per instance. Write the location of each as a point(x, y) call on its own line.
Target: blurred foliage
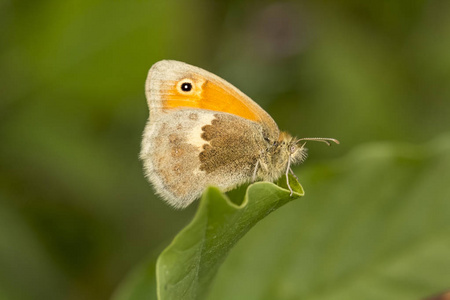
point(76, 213)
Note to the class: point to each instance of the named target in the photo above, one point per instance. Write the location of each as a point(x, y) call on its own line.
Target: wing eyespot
point(185, 86)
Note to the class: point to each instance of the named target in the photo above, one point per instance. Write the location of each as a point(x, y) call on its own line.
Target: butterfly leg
point(293, 174)
point(255, 171)
point(287, 175)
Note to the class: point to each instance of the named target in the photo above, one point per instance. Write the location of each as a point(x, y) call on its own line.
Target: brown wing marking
point(234, 145)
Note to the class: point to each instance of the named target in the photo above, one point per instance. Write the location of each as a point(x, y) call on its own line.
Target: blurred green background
point(76, 214)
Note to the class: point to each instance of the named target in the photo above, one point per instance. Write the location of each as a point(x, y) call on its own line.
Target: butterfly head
point(293, 149)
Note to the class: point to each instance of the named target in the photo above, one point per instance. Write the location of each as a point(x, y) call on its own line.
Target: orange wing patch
point(206, 94)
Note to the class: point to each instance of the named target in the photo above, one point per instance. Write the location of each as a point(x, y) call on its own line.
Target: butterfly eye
point(186, 86)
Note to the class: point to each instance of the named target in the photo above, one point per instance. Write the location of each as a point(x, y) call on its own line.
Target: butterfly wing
point(164, 92)
point(189, 150)
point(201, 131)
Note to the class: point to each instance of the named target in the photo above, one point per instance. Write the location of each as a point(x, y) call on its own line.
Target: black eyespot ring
point(186, 87)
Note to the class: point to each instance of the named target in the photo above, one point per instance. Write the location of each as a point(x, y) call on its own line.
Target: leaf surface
point(187, 267)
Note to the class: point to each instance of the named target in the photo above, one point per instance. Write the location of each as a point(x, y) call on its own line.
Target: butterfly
point(203, 131)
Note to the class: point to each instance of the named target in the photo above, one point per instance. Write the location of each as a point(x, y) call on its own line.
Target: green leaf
point(375, 225)
point(187, 267)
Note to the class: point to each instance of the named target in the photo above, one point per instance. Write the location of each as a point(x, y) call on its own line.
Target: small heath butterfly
point(203, 131)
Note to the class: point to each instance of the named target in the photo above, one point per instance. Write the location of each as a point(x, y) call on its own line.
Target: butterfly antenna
point(317, 139)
